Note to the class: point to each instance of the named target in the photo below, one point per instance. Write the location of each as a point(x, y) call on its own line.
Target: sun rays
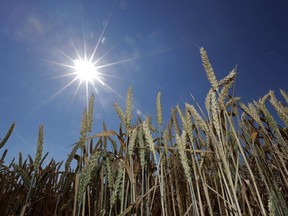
point(85, 70)
point(86, 67)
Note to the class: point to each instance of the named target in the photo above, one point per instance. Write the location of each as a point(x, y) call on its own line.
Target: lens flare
point(86, 71)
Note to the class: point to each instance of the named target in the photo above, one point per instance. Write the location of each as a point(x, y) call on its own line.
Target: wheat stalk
point(229, 78)
point(208, 101)
point(8, 134)
point(175, 122)
point(129, 104)
point(86, 175)
point(285, 95)
point(208, 68)
point(149, 138)
point(109, 172)
point(70, 157)
point(198, 119)
point(215, 110)
point(159, 109)
point(181, 145)
point(133, 135)
point(39, 147)
point(280, 109)
point(142, 151)
point(119, 112)
point(227, 84)
point(117, 183)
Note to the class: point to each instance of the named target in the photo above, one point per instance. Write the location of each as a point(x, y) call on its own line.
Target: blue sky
point(151, 45)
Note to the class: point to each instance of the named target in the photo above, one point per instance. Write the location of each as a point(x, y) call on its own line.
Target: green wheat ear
point(127, 117)
point(119, 113)
point(8, 134)
point(129, 106)
point(83, 130)
point(90, 113)
point(87, 121)
point(142, 151)
point(117, 184)
point(39, 147)
point(132, 141)
point(87, 175)
point(71, 156)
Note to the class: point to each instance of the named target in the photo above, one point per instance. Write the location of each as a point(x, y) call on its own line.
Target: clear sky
point(151, 45)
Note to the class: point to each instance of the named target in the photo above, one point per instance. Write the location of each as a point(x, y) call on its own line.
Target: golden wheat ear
point(208, 68)
point(159, 109)
point(285, 95)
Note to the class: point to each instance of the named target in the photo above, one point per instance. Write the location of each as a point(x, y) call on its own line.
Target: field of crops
point(226, 158)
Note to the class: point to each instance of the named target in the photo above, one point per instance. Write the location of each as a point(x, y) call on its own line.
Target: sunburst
point(85, 68)
point(86, 71)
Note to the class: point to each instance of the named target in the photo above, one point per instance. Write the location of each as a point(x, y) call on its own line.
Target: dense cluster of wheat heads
point(227, 159)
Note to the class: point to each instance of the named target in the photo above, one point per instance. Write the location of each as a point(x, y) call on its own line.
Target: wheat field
point(227, 158)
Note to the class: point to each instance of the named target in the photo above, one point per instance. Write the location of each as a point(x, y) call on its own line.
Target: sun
point(86, 66)
point(86, 70)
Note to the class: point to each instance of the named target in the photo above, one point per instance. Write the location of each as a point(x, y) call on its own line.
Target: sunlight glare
point(85, 70)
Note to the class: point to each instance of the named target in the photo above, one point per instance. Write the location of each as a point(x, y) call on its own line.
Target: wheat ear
point(86, 175)
point(159, 109)
point(208, 68)
point(39, 147)
point(129, 105)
